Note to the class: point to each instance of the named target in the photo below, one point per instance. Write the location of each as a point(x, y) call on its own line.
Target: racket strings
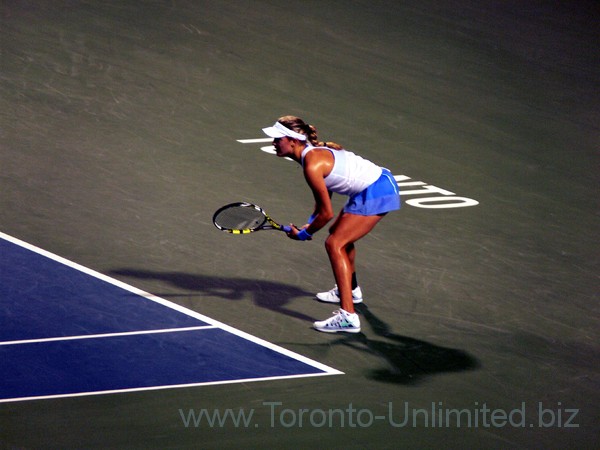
point(240, 218)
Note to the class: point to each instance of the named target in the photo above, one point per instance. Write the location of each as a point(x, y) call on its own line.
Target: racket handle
point(286, 228)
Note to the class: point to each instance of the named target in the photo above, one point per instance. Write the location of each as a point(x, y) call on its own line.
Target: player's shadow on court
point(266, 294)
point(408, 360)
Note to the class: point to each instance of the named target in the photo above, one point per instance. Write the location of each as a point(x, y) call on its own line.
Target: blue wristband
point(303, 235)
point(311, 219)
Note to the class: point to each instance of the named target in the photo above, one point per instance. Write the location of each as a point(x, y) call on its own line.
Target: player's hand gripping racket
point(244, 218)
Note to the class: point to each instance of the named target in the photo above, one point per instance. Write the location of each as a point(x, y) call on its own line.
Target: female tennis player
point(372, 192)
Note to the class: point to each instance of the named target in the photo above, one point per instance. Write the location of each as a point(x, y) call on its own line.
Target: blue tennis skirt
point(380, 197)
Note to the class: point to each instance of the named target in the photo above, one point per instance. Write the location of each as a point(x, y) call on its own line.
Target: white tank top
point(351, 173)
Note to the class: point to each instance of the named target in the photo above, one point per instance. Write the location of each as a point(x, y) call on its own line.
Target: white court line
point(251, 141)
point(105, 335)
point(317, 365)
point(168, 304)
point(158, 388)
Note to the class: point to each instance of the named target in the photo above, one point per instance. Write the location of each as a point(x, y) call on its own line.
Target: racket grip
point(286, 228)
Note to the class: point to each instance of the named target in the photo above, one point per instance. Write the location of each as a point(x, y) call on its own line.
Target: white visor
point(278, 131)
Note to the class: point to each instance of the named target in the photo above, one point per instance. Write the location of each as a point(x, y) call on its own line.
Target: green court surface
point(126, 124)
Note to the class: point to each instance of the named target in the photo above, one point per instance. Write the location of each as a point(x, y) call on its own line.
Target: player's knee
point(332, 244)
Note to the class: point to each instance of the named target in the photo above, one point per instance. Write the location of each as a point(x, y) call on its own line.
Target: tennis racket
point(244, 218)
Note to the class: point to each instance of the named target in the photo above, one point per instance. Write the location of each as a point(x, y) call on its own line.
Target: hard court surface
point(124, 125)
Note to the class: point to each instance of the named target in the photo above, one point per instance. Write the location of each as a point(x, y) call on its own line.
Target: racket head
point(242, 218)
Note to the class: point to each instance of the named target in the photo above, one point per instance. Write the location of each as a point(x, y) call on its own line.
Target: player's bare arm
point(317, 165)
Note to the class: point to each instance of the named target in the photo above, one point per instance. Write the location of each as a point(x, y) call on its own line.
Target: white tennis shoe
point(333, 296)
point(341, 321)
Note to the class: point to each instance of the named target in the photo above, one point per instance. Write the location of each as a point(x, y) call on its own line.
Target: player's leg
point(332, 296)
point(347, 229)
point(339, 245)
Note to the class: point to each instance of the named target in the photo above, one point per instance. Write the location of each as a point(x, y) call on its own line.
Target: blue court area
point(66, 330)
